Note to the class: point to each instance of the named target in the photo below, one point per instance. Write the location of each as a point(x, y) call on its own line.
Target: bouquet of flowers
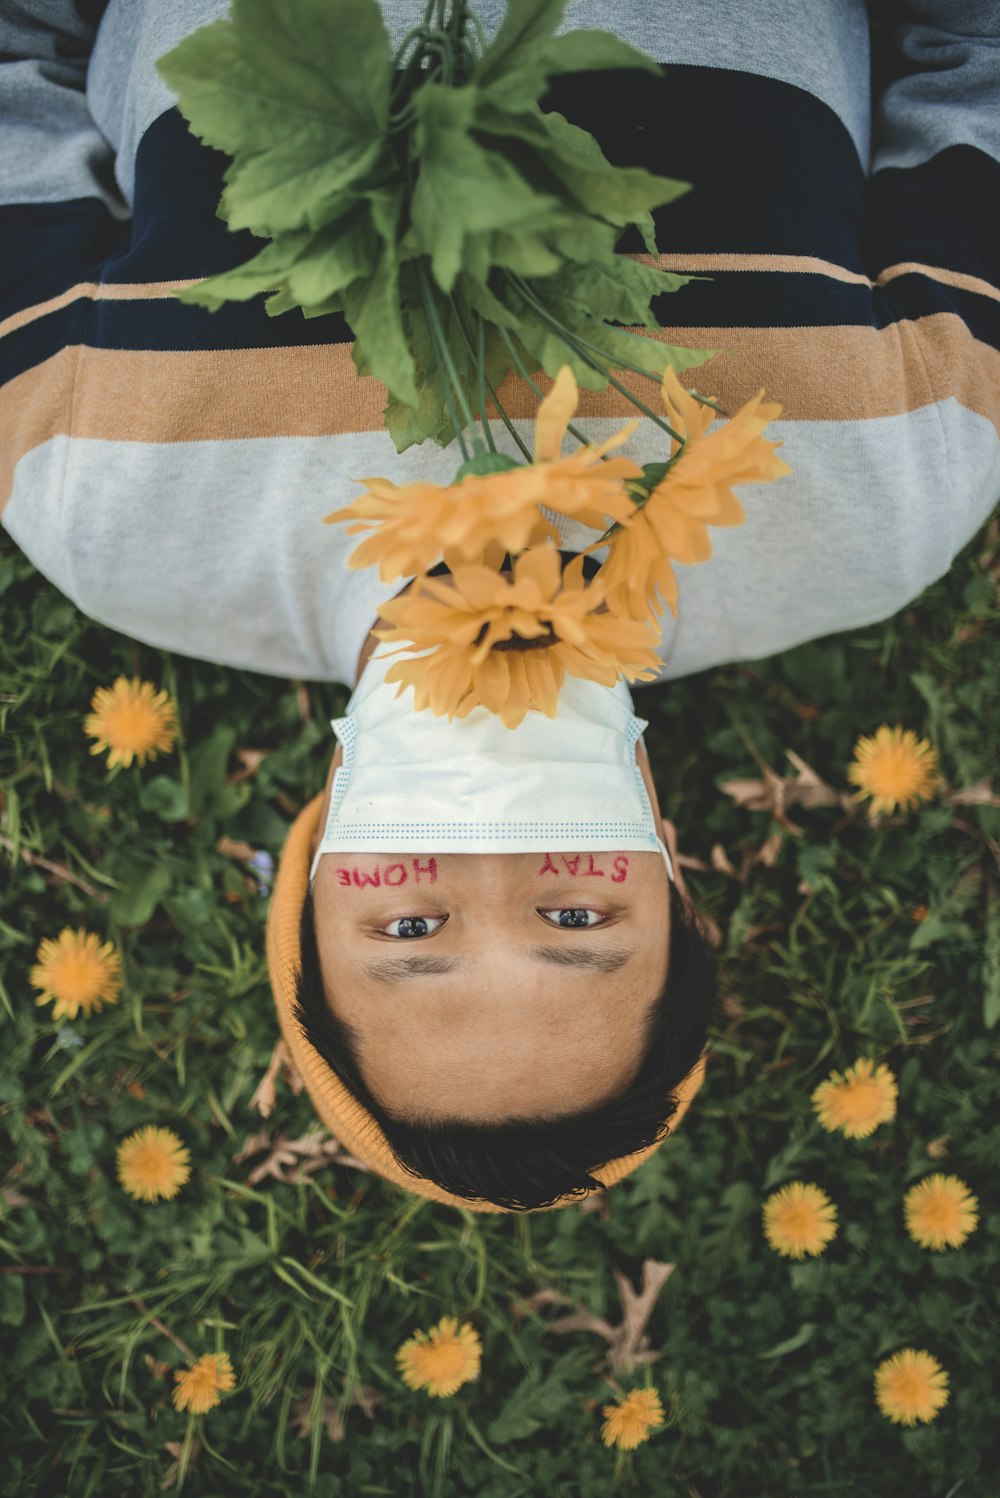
point(467, 235)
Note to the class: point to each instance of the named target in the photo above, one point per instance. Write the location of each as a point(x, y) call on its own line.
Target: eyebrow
point(391, 969)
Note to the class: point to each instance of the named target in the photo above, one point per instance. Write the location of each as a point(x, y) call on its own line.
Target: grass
point(310, 1273)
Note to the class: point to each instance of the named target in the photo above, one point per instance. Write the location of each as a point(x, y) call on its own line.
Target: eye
point(414, 925)
point(574, 918)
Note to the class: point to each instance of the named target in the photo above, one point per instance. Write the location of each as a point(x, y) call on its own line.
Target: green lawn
point(764, 1365)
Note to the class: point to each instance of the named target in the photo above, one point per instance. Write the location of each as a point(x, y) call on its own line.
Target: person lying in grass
point(508, 1018)
point(169, 469)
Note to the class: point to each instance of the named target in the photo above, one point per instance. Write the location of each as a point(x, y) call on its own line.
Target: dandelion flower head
point(76, 972)
point(132, 720)
point(857, 1102)
point(799, 1219)
point(153, 1164)
point(198, 1388)
point(894, 768)
point(627, 1424)
point(940, 1212)
point(442, 1359)
point(911, 1386)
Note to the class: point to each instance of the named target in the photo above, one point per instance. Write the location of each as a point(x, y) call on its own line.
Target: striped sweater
point(168, 468)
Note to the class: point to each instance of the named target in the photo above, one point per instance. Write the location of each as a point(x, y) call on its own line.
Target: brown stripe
point(97, 292)
point(815, 374)
point(956, 278)
point(798, 264)
point(694, 263)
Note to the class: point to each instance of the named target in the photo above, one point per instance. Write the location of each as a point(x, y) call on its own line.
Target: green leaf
point(166, 798)
point(486, 463)
point(802, 1336)
point(462, 187)
point(372, 308)
point(619, 290)
point(144, 887)
point(297, 93)
point(582, 50)
point(526, 26)
point(284, 188)
point(208, 762)
point(991, 960)
point(263, 272)
point(617, 194)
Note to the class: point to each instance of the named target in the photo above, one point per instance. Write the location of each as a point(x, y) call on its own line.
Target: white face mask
point(415, 783)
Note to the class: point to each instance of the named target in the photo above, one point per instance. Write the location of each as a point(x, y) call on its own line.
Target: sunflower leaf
point(527, 26)
point(462, 187)
point(297, 93)
point(583, 50)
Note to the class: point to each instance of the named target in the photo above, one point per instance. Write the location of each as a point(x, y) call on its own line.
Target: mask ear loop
point(666, 860)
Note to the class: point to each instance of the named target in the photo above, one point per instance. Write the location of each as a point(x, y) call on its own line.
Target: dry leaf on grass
point(365, 1398)
point(306, 1154)
point(175, 1448)
point(251, 760)
point(980, 794)
point(229, 847)
point(628, 1344)
point(264, 1097)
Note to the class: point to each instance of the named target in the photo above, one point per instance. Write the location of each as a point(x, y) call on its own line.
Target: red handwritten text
point(574, 865)
point(392, 874)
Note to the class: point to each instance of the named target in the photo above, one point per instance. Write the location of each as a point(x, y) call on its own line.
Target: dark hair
point(524, 1163)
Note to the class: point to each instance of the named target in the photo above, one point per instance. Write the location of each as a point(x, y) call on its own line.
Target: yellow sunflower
point(153, 1164)
point(857, 1102)
point(442, 1359)
point(131, 719)
point(410, 526)
point(464, 624)
point(940, 1212)
point(628, 1423)
point(696, 492)
point(199, 1386)
point(894, 768)
point(76, 972)
point(911, 1386)
point(799, 1219)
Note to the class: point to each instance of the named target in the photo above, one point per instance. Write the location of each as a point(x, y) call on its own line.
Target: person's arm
point(930, 240)
point(60, 215)
point(59, 207)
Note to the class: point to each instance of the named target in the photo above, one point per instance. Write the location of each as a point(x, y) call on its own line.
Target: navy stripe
point(937, 213)
point(786, 181)
point(773, 169)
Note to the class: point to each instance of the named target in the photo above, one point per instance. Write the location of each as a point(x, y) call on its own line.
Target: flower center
point(518, 642)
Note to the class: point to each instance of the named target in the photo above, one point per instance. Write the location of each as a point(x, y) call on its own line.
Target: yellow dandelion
point(76, 971)
point(799, 1219)
point(506, 642)
point(894, 768)
point(153, 1164)
point(408, 527)
point(133, 720)
point(696, 492)
point(910, 1386)
point(198, 1387)
point(628, 1423)
point(442, 1359)
point(857, 1102)
point(940, 1212)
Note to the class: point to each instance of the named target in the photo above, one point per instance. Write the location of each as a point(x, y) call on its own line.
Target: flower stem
point(492, 392)
point(441, 356)
point(481, 373)
point(581, 437)
point(580, 346)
